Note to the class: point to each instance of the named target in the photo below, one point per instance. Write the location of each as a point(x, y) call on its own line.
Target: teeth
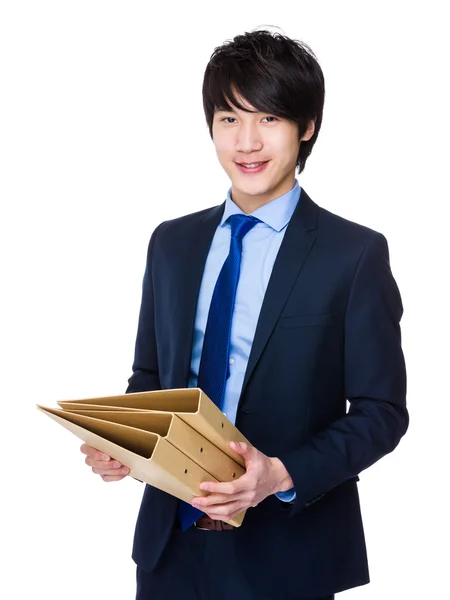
point(251, 165)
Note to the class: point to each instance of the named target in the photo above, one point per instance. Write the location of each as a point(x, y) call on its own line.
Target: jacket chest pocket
point(319, 320)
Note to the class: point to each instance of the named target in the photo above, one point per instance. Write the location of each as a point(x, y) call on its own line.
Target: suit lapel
point(297, 243)
point(199, 237)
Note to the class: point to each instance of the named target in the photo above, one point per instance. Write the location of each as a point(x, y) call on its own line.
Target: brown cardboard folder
point(171, 439)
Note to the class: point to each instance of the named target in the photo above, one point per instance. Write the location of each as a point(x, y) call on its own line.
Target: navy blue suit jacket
point(328, 332)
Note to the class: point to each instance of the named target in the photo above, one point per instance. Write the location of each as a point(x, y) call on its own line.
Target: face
point(243, 138)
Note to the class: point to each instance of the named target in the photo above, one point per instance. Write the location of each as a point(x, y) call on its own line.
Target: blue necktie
point(214, 363)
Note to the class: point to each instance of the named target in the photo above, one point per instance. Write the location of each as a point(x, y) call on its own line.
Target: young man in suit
point(281, 312)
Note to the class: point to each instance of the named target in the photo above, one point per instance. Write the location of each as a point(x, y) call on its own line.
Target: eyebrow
point(255, 112)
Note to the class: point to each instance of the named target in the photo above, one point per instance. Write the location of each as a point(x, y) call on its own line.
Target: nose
point(248, 138)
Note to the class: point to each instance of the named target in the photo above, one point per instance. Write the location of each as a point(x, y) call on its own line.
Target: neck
point(248, 203)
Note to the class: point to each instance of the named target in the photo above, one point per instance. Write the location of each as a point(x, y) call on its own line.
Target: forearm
point(369, 431)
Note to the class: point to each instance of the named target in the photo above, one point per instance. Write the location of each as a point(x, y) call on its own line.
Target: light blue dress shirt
point(259, 250)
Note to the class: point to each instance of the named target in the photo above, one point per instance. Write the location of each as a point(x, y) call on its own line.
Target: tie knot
point(241, 224)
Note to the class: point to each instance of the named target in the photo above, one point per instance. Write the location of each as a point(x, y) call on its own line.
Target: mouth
point(252, 167)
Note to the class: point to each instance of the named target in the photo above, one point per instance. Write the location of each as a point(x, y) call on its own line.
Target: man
point(281, 312)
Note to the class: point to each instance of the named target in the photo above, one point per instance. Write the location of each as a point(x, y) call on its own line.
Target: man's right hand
point(108, 468)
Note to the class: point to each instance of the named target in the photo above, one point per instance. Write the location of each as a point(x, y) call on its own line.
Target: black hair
point(274, 73)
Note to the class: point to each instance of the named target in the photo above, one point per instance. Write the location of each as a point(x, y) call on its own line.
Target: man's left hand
point(264, 476)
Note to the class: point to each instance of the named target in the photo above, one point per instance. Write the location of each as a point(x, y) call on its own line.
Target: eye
point(230, 119)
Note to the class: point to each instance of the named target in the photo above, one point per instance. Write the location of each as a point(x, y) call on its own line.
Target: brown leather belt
point(212, 525)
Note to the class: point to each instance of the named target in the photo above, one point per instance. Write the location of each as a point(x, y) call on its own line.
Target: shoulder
point(348, 237)
point(185, 224)
point(340, 227)
point(335, 229)
point(174, 236)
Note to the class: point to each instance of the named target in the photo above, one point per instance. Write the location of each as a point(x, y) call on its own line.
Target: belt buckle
point(214, 525)
point(201, 528)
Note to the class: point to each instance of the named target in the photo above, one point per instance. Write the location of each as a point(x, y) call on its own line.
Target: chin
point(254, 187)
point(252, 191)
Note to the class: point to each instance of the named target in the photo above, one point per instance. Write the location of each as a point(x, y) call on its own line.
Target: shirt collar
point(276, 213)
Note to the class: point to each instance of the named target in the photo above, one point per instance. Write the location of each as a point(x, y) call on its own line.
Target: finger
point(103, 464)
point(204, 502)
point(224, 487)
point(113, 472)
point(93, 453)
point(243, 449)
point(226, 512)
point(112, 477)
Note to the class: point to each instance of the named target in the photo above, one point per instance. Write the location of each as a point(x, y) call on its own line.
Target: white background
point(102, 137)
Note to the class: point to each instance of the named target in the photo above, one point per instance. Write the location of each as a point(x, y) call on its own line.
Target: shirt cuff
point(287, 496)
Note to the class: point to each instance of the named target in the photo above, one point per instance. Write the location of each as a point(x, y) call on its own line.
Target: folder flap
point(74, 405)
point(135, 440)
point(155, 422)
point(177, 400)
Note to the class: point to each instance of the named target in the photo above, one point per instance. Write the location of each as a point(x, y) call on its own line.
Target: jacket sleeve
point(375, 385)
point(145, 376)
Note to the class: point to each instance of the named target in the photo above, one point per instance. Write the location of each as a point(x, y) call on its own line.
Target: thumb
point(241, 448)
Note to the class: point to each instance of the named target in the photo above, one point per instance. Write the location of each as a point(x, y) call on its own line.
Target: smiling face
point(249, 138)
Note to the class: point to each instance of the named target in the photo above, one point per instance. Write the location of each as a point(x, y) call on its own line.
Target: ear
point(309, 131)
